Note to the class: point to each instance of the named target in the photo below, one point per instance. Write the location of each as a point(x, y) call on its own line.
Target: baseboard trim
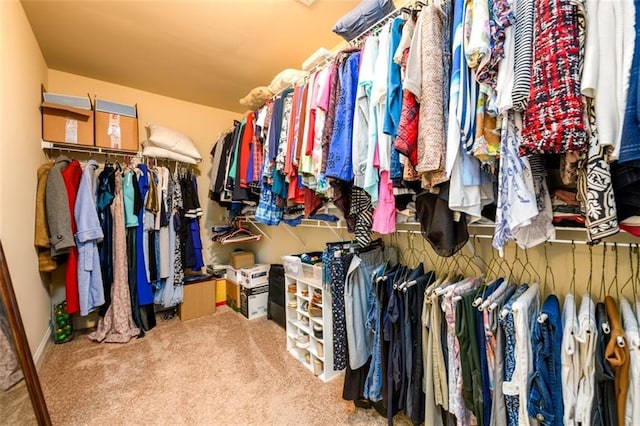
point(38, 355)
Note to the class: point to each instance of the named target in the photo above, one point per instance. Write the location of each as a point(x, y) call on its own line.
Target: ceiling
point(210, 52)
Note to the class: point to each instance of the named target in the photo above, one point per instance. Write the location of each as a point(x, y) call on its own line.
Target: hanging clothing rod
point(89, 149)
point(557, 241)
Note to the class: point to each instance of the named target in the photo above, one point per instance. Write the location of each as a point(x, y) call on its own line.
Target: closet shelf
point(70, 147)
point(564, 235)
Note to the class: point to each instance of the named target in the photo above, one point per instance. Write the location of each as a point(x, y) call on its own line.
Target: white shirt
point(524, 311)
point(360, 139)
point(379, 97)
point(504, 85)
point(630, 324)
point(570, 359)
point(586, 336)
point(607, 63)
point(413, 73)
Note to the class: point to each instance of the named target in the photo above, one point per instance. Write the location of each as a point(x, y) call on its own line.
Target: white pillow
point(172, 140)
point(150, 150)
point(286, 79)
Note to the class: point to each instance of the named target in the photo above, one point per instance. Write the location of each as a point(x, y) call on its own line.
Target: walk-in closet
point(317, 212)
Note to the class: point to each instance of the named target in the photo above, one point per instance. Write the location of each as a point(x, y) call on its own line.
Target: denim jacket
point(545, 384)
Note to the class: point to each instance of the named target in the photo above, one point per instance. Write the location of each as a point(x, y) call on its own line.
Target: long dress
point(117, 325)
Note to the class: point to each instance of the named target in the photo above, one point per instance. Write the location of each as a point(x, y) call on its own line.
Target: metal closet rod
point(86, 149)
point(611, 244)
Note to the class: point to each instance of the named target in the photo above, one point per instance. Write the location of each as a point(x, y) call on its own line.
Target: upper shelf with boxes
point(83, 122)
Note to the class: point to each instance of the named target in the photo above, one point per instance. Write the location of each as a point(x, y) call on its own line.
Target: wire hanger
point(549, 271)
point(481, 265)
point(572, 284)
point(637, 277)
point(604, 263)
point(615, 273)
point(412, 258)
point(631, 277)
point(426, 253)
point(239, 235)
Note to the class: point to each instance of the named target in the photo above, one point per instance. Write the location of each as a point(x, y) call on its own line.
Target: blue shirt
point(394, 82)
point(145, 294)
point(339, 164)
point(630, 143)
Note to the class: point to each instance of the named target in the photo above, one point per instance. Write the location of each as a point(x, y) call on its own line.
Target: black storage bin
point(276, 305)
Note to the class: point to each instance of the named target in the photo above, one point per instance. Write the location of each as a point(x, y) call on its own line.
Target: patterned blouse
point(554, 118)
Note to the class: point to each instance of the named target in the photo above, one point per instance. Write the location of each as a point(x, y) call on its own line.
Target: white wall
point(23, 72)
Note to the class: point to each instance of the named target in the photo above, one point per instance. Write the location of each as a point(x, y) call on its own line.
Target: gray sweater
point(57, 205)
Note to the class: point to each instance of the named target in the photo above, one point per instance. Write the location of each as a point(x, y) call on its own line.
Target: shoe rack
point(309, 326)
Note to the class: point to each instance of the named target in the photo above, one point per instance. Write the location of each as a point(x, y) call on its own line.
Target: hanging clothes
point(46, 262)
point(617, 354)
point(89, 234)
point(554, 124)
point(71, 176)
point(117, 325)
point(105, 194)
point(545, 384)
point(339, 165)
point(145, 295)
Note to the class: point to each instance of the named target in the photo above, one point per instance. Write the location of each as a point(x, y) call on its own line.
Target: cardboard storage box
point(233, 295)
point(199, 300)
point(254, 301)
point(116, 125)
point(242, 259)
point(234, 275)
point(67, 119)
point(255, 275)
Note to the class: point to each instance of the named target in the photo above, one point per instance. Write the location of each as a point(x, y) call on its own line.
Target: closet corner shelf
point(87, 149)
point(305, 223)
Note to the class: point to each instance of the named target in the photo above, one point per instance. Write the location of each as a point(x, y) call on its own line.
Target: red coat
point(71, 176)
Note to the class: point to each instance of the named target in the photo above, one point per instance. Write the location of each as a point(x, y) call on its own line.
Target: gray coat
point(57, 205)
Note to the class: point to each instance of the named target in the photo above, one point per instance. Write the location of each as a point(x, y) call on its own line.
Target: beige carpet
point(220, 369)
point(15, 406)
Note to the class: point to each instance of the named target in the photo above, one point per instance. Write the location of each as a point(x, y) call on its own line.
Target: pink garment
point(376, 158)
point(384, 216)
point(325, 90)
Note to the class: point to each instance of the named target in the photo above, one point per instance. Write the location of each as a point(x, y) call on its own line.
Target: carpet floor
point(219, 369)
point(15, 406)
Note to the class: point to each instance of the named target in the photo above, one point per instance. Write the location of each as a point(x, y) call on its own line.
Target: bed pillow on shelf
point(153, 151)
point(256, 98)
point(286, 78)
point(172, 140)
point(362, 17)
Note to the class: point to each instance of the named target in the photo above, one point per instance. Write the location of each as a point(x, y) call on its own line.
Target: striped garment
point(523, 53)
point(466, 111)
point(554, 117)
point(362, 210)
